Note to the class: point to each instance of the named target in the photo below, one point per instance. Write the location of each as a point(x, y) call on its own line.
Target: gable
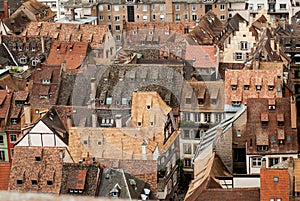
point(40, 127)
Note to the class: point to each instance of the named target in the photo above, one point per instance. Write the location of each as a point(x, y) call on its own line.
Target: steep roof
point(70, 53)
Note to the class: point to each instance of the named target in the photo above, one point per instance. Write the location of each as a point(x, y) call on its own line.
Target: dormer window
point(188, 101)
point(148, 107)
point(258, 87)
point(23, 59)
point(233, 87)
point(271, 87)
point(200, 101)
point(246, 87)
point(37, 159)
point(214, 101)
point(108, 100)
point(20, 48)
point(236, 103)
point(280, 119)
point(14, 121)
point(139, 124)
point(46, 81)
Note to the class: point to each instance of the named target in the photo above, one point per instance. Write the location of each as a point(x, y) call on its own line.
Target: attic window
point(19, 182)
point(234, 87)
point(258, 87)
point(148, 107)
point(246, 87)
point(151, 123)
point(287, 45)
point(49, 183)
point(200, 101)
point(188, 100)
point(85, 142)
point(34, 182)
point(37, 111)
point(139, 124)
point(272, 107)
point(275, 179)
point(108, 101)
point(37, 159)
point(271, 87)
point(42, 15)
point(99, 143)
point(236, 103)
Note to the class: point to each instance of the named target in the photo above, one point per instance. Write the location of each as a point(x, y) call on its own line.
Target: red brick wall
point(4, 175)
point(270, 189)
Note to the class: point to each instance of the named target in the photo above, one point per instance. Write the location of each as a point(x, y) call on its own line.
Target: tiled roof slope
point(70, 53)
point(4, 176)
point(201, 56)
point(92, 34)
point(259, 111)
point(208, 30)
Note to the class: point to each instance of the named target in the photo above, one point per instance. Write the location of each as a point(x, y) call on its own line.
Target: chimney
point(293, 113)
point(63, 66)
point(144, 151)
point(72, 14)
point(93, 87)
point(94, 119)
point(43, 44)
point(263, 164)
point(69, 121)
point(6, 12)
point(118, 121)
point(27, 114)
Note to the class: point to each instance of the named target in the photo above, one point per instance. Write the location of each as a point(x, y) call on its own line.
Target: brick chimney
point(6, 11)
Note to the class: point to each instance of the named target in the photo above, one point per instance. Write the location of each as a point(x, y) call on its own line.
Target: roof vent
point(132, 182)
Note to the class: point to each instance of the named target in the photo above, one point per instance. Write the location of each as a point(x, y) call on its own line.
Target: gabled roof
point(4, 30)
point(5, 101)
point(48, 131)
point(92, 34)
point(39, 9)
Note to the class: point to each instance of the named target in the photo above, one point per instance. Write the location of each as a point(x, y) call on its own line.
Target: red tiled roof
point(203, 55)
point(21, 95)
point(77, 180)
point(71, 53)
point(5, 103)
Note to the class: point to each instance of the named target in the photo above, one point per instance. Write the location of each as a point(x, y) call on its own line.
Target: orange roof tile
point(71, 53)
point(201, 56)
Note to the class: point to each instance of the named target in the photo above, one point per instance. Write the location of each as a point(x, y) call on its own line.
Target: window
point(118, 37)
point(262, 148)
point(186, 17)
point(49, 183)
point(177, 7)
point(19, 182)
point(275, 179)
point(264, 123)
point(37, 159)
point(273, 161)
point(187, 148)
point(187, 116)
point(117, 18)
point(238, 133)
point(233, 87)
point(258, 87)
point(85, 142)
point(197, 135)
point(197, 117)
point(282, 6)
point(187, 162)
point(13, 138)
point(194, 17)
point(153, 17)
point(200, 101)
point(100, 7)
point(280, 123)
point(124, 101)
point(218, 117)
point(222, 17)
point(278, 199)
point(244, 45)
point(99, 143)
point(118, 28)
point(151, 123)
point(207, 117)
point(188, 101)
point(177, 17)
point(116, 8)
point(108, 100)
point(194, 7)
point(272, 199)
point(280, 142)
point(186, 134)
point(1, 139)
point(34, 182)
point(236, 103)
point(162, 17)
point(162, 7)
point(260, 6)
point(256, 162)
point(139, 124)
point(238, 56)
point(145, 17)
point(246, 87)
point(144, 7)
point(153, 6)
point(2, 155)
point(222, 7)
